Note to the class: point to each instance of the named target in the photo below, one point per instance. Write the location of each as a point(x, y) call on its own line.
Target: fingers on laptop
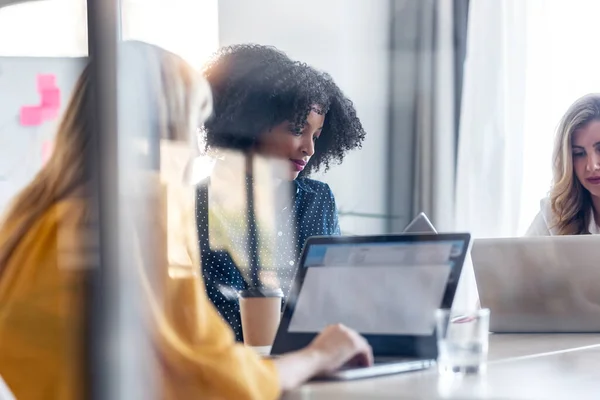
point(340, 345)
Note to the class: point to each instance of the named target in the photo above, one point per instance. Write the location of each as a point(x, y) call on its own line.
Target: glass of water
point(462, 340)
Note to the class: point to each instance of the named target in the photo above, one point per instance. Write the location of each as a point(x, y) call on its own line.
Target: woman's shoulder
point(63, 214)
point(545, 204)
point(546, 211)
point(71, 212)
point(312, 185)
point(62, 227)
point(542, 224)
point(71, 222)
point(320, 202)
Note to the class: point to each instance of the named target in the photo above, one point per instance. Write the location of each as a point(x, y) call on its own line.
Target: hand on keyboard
point(339, 346)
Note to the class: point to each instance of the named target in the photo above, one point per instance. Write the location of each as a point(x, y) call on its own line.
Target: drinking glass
point(462, 340)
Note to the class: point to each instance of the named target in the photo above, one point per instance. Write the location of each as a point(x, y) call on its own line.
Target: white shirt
point(543, 222)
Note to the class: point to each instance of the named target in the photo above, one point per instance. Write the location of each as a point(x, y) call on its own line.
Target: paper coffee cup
point(260, 310)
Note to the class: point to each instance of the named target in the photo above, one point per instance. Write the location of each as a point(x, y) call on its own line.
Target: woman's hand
point(336, 346)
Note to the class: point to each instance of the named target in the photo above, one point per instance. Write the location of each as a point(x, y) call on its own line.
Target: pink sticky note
point(49, 113)
point(47, 148)
point(46, 82)
point(31, 116)
point(50, 98)
point(49, 102)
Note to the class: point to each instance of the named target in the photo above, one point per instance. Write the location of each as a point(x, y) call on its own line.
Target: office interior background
point(460, 99)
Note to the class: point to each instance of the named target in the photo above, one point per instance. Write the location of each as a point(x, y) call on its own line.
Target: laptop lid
point(420, 224)
point(386, 287)
point(539, 284)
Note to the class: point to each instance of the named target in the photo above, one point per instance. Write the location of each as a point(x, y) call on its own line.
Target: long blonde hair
point(179, 97)
point(571, 203)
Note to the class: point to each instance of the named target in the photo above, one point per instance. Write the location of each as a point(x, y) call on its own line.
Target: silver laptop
point(420, 224)
point(540, 284)
point(386, 287)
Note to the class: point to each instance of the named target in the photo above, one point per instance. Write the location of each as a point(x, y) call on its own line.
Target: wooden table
point(520, 367)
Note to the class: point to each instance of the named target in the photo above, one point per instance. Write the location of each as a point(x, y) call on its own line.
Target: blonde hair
point(181, 98)
point(570, 201)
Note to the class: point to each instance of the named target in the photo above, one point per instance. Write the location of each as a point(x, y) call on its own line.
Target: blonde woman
point(44, 255)
point(573, 206)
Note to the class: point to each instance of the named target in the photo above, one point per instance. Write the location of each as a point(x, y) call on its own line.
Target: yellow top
point(41, 330)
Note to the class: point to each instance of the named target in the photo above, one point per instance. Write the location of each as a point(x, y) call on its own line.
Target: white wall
point(349, 40)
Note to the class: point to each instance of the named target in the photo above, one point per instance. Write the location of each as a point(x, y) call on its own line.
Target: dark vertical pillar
point(103, 372)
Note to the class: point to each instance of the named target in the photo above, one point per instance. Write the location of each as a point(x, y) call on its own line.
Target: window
point(58, 28)
point(527, 62)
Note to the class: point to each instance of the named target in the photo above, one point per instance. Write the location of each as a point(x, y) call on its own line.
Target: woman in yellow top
point(44, 249)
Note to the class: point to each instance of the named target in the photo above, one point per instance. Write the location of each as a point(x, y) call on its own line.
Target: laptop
point(385, 287)
point(420, 224)
point(539, 284)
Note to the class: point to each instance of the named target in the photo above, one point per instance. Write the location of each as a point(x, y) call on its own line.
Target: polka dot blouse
point(313, 213)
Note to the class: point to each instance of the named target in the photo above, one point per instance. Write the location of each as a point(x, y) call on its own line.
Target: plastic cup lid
point(261, 292)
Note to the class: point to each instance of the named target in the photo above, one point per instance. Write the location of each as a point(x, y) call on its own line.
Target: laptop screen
point(375, 288)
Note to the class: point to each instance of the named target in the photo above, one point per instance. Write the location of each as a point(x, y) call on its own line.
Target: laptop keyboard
point(379, 361)
point(388, 360)
point(381, 366)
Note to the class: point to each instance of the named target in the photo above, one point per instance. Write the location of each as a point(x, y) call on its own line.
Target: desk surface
point(520, 367)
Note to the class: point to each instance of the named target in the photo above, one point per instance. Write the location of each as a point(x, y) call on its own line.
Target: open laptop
point(420, 224)
point(385, 287)
point(539, 284)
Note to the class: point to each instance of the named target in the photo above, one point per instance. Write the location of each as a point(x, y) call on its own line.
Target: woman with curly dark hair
point(268, 104)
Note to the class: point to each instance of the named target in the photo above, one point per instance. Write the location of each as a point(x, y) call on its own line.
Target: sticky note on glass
point(49, 102)
point(49, 113)
point(50, 98)
point(46, 82)
point(31, 115)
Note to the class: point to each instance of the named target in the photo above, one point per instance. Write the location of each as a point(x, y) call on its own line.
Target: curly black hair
point(256, 88)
